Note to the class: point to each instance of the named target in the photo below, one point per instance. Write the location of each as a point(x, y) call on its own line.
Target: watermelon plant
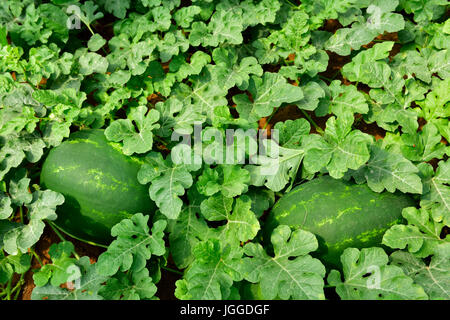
point(233, 149)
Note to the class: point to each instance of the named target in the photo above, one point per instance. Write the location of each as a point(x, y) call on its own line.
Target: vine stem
point(172, 270)
point(18, 287)
point(318, 129)
point(160, 140)
point(55, 229)
point(325, 78)
point(21, 214)
point(268, 120)
point(36, 256)
point(8, 289)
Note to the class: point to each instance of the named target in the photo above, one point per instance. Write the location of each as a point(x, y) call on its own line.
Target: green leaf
point(262, 199)
point(138, 286)
point(212, 273)
point(340, 149)
point(291, 132)
point(229, 72)
point(5, 206)
point(205, 94)
point(129, 54)
point(439, 63)
point(124, 130)
point(230, 180)
point(188, 230)
point(172, 44)
point(177, 116)
point(424, 145)
point(185, 16)
point(96, 42)
point(388, 170)
point(346, 99)
point(312, 92)
point(17, 147)
point(433, 277)
point(92, 62)
point(62, 269)
point(292, 272)
point(424, 10)
point(43, 206)
point(18, 188)
point(13, 264)
point(277, 167)
point(241, 224)
point(168, 182)
point(421, 235)
point(392, 95)
point(368, 276)
point(117, 7)
point(434, 109)
point(224, 26)
point(88, 14)
point(436, 195)
point(268, 92)
point(85, 288)
point(379, 19)
point(134, 245)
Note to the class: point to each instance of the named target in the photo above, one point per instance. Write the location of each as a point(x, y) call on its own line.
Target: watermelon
point(99, 184)
point(341, 214)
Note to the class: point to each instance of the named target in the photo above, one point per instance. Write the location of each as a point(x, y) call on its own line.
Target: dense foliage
point(365, 85)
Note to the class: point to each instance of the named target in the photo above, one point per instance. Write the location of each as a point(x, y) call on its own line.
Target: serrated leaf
point(62, 269)
point(424, 145)
point(86, 287)
point(368, 276)
point(168, 182)
point(230, 180)
point(340, 149)
point(13, 264)
point(92, 62)
point(188, 230)
point(292, 272)
point(5, 206)
point(96, 42)
point(277, 167)
point(268, 92)
point(124, 130)
point(291, 132)
point(174, 116)
point(390, 171)
point(43, 206)
point(379, 19)
point(229, 72)
point(421, 235)
point(134, 245)
point(241, 223)
point(436, 195)
point(138, 286)
point(346, 99)
point(224, 26)
point(212, 273)
point(434, 277)
point(18, 188)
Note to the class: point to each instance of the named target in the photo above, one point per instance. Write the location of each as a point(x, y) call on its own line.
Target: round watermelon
point(341, 214)
point(99, 184)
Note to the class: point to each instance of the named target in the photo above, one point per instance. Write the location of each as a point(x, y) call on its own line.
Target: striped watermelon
point(99, 184)
point(341, 214)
